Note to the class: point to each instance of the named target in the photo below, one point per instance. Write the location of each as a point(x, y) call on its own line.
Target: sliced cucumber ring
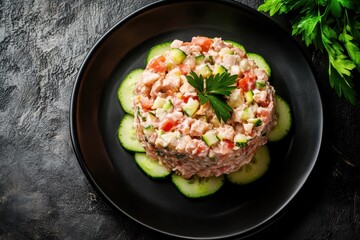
point(261, 62)
point(235, 44)
point(253, 170)
point(284, 120)
point(126, 90)
point(197, 187)
point(150, 166)
point(127, 135)
point(156, 50)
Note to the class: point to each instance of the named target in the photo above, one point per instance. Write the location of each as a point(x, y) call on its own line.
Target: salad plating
point(203, 107)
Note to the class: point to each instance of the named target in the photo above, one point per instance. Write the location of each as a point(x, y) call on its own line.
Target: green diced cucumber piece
point(210, 138)
point(148, 131)
point(126, 90)
point(219, 69)
point(235, 99)
point(127, 135)
point(261, 62)
point(190, 107)
point(150, 166)
point(157, 50)
point(139, 115)
point(202, 118)
point(210, 59)
point(260, 84)
point(197, 187)
point(158, 103)
point(256, 121)
point(177, 55)
point(246, 114)
point(160, 113)
point(200, 59)
point(284, 120)
point(168, 137)
point(240, 140)
point(249, 96)
point(204, 70)
point(168, 105)
point(253, 170)
point(152, 115)
point(226, 50)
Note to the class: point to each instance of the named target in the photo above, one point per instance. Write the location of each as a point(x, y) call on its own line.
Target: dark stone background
point(43, 191)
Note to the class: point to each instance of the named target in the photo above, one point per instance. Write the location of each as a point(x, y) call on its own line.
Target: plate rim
point(73, 127)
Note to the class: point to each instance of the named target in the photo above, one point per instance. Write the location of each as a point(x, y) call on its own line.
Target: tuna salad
point(203, 107)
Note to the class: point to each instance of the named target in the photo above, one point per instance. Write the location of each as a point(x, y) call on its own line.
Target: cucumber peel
point(151, 167)
point(284, 120)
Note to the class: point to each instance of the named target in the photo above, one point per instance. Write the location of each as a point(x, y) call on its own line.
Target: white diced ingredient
point(248, 127)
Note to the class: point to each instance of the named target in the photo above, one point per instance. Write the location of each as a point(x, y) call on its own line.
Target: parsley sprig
point(331, 26)
point(213, 89)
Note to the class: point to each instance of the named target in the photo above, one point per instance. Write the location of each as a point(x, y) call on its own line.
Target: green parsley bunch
point(331, 26)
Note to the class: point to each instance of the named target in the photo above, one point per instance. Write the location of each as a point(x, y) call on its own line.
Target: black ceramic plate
point(96, 113)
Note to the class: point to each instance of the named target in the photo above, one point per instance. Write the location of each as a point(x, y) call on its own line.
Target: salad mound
point(203, 107)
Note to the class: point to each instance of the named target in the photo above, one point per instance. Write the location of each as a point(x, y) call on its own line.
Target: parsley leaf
point(332, 27)
point(213, 89)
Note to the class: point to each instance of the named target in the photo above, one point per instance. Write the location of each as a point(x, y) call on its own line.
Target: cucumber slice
point(127, 135)
point(177, 55)
point(253, 170)
point(283, 114)
point(240, 140)
point(157, 50)
point(190, 107)
point(126, 90)
point(249, 96)
point(199, 59)
point(219, 69)
point(235, 44)
point(204, 70)
point(197, 187)
point(159, 102)
point(261, 62)
point(151, 167)
point(168, 105)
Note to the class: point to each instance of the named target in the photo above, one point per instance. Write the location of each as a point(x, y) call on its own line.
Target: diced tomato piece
point(186, 98)
point(264, 103)
point(247, 82)
point(168, 125)
point(146, 104)
point(184, 69)
point(264, 114)
point(200, 148)
point(229, 143)
point(158, 64)
point(203, 42)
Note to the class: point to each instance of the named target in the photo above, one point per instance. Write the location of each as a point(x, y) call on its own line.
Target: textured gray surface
point(43, 191)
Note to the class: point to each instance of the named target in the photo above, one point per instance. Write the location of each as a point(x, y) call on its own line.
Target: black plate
point(96, 113)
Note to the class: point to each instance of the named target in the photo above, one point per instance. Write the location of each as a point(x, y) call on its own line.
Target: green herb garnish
point(332, 26)
point(213, 89)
